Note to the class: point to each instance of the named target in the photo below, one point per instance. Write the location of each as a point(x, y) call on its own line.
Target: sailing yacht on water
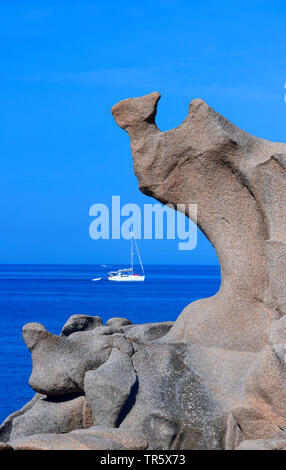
point(128, 274)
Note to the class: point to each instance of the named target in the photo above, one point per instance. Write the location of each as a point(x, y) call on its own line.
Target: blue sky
point(65, 63)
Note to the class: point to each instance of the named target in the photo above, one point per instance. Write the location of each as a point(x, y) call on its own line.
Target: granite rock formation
point(80, 323)
point(107, 391)
point(86, 384)
point(216, 378)
point(96, 438)
point(238, 183)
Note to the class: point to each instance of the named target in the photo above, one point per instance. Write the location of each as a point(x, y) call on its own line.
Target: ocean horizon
point(51, 293)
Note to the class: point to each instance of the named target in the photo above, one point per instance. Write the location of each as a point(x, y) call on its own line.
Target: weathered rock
point(87, 419)
point(276, 259)
point(148, 331)
point(6, 427)
point(65, 442)
point(108, 388)
point(34, 333)
point(5, 446)
point(59, 363)
point(95, 438)
point(51, 415)
point(262, 444)
point(215, 378)
point(277, 332)
point(117, 322)
point(186, 394)
point(129, 439)
point(238, 183)
point(122, 343)
point(262, 412)
point(80, 323)
point(175, 408)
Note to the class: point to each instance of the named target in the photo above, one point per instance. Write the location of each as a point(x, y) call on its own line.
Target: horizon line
point(101, 264)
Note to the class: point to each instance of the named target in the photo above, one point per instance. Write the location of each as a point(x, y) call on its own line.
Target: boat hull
point(131, 278)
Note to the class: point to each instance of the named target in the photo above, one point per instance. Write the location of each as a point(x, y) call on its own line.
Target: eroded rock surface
point(52, 414)
point(80, 323)
point(65, 442)
point(108, 388)
point(60, 363)
point(95, 438)
point(117, 322)
point(216, 378)
point(263, 444)
point(86, 378)
point(238, 184)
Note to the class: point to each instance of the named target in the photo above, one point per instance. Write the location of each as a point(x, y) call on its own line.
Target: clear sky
point(65, 63)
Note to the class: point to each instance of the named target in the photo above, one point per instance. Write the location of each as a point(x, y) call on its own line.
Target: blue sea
point(50, 294)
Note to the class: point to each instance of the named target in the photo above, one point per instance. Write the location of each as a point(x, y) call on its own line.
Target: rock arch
point(215, 379)
point(238, 183)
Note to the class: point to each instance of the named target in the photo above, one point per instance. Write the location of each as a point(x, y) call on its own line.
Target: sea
point(50, 294)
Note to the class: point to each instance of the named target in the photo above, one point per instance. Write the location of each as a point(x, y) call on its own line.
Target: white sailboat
point(127, 275)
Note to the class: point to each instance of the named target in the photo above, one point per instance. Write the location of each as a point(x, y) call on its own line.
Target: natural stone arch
point(216, 378)
point(227, 172)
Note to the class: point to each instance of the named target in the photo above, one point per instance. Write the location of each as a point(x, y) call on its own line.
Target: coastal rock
point(51, 414)
point(185, 394)
point(6, 426)
point(108, 388)
point(130, 439)
point(262, 413)
point(60, 363)
point(238, 184)
point(117, 322)
point(216, 377)
point(80, 323)
point(162, 378)
point(95, 438)
point(263, 444)
point(277, 333)
point(5, 446)
point(33, 333)
point(122, 343)
point(65, 442)
point(148, 331)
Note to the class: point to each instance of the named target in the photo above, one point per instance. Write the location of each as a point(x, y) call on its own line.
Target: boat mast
point(132, 254)
point(139, 256)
